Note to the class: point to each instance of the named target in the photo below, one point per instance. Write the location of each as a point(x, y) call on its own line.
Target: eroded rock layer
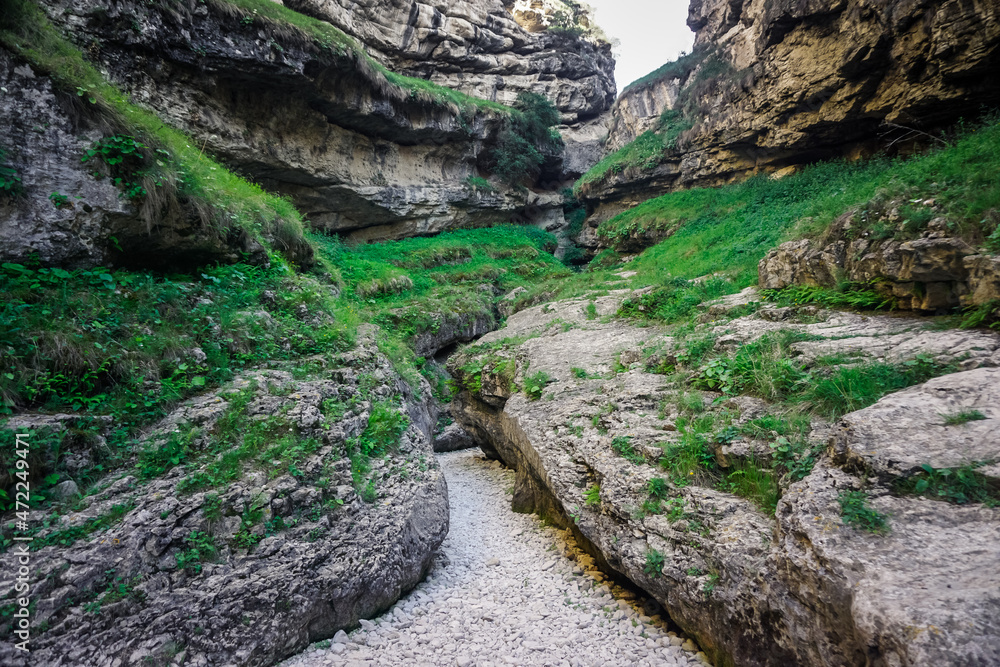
point(795, 587)
point(258, 568)
point(316, 121)
point(778, 84)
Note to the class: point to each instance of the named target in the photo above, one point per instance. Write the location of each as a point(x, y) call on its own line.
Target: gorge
point(308, 303)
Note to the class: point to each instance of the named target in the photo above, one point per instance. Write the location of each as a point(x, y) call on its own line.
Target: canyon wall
point(774, 85)
point(305, 112)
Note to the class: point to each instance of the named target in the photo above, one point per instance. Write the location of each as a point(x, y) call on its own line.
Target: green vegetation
point(526, 138)
point(10, 180)
point(644, 153)
point(622, 444)
point(592, 496)
point(755, 482)
point(766, 368)
point(183, 172)
point(478, 184)
point(960, 485)
point(534, 384)
point(963, 417)
point(675, 69)
point(852, 296)
point(266, 14)
point(654, 563)
point(854, 510)
point(728, 230)
point(200, 549)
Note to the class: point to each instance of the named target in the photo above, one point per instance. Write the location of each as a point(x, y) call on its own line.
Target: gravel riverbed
point(506, 590)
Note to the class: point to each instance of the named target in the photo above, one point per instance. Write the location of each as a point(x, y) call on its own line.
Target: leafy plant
point(960, 485)
point(59, 201)
point(592, 496)
point(200, 548)
point(854, 510)
point(535, 384)
point(10, 180)
point(654, 563)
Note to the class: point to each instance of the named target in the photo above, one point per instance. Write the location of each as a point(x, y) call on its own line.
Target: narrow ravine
point(503, 592)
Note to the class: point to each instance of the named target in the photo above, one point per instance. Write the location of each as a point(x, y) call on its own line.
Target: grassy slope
point(730, 229)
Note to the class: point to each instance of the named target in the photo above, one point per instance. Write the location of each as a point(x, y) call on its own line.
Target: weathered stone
point(928, 274)
point(327, 566)
point(453, 438)
point(908, 429)
point(802, 586)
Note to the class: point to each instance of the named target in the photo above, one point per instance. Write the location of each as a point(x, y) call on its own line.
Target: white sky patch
point(652, 32)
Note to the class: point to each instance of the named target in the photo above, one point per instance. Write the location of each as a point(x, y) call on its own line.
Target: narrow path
point(502, 593)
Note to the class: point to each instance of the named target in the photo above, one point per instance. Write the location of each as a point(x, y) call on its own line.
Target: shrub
point(526, 138)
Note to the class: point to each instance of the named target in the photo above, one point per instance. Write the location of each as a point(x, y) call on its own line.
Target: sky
point(652, 32)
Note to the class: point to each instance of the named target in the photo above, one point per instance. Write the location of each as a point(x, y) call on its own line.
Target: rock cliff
point(772, 85)
point(486, 48)
point(302, 110)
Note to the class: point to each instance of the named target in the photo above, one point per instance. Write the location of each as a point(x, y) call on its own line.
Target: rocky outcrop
point(934, 272)
point(796, 587)
point(151, 566)
point(62, 215)
point(306, 116)
point(485, 48)
point(777, 84)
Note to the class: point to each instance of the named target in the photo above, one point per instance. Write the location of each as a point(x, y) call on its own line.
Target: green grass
point(642, 154)
point(676, 69)
point(755, 482)
point(856, 512)
point(766, 368)
point(963, 417)
point(417, 286)
point(728, 230)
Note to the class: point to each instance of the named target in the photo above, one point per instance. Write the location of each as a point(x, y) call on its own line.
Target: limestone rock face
point(298, 554)
point(929, 273)
point(798, 587)
point(774, 84)
point(45, 134)
point(480, 47)
point(359, 155)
